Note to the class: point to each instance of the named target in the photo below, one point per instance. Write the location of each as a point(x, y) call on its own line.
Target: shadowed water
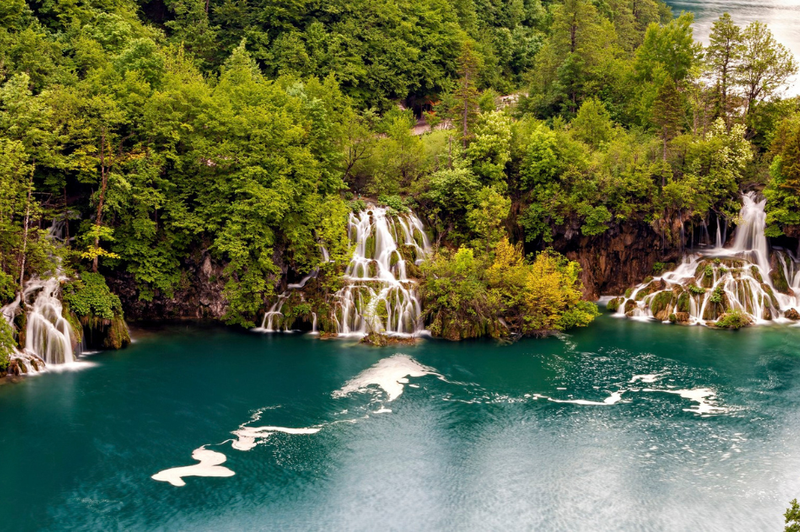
point(620, 426)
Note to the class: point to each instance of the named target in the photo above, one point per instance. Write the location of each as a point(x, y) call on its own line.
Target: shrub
point(393, 202)
point(718, 295)
point(90, 296)
point(696, 290)
point(735, 319)
point(658, 268)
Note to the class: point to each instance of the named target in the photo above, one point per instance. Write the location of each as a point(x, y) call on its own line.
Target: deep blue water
point(475, 446)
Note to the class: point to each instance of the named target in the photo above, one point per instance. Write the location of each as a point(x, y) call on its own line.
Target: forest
point(140, 139)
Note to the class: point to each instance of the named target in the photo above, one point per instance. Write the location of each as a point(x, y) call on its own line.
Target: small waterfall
point(379, 296)
point(749, 241)
point(706, 286)
point(48, 334)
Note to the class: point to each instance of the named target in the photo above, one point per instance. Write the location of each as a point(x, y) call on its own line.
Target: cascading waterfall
point(48, 334)
point(49, 337)
point(273, 320)
point(379, 296)
point(708, 285)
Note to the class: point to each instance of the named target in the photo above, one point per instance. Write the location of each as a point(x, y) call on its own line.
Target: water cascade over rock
point(716, 285)
point(49, 337)
point(381, 295)
point(380, 291)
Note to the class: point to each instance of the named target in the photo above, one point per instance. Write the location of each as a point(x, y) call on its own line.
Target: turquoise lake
point(620, 426)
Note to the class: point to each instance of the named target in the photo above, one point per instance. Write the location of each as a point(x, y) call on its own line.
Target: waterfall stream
point(48, 335)
point(707, 285)
point(379, 295)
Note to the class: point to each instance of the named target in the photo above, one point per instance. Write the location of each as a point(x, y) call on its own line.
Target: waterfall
point(48, 334)
point(707, 285)
point(749, 240)
point(49, 337)
point(379, 296)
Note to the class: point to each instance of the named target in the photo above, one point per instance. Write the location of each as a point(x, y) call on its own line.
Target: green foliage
point(792, 517)
point(718, 295)
point(394, 202)
point(696, 290)
point(90, 296)
point(734, 319)
point(468, 295)
point(7, 343)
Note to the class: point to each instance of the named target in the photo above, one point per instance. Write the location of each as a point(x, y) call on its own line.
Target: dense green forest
point(148, 132)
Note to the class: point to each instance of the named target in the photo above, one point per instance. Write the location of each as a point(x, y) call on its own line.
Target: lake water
point(781, 16)
point(620, 426)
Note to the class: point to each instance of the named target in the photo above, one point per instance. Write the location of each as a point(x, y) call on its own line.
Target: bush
point(735, 319)
point(393, 202)
point(696, 290)
point(90, 296)
point(467, 296)
point(7, 343)
point(358, 205)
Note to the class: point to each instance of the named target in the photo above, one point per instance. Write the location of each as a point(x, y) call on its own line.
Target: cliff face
point(616, 259)
point(199, 294)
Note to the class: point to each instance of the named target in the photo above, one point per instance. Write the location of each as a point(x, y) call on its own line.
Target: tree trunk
point(103, 181)
point(25, 234)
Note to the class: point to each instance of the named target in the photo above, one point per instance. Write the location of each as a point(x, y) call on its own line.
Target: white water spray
point(708, 285)
point(379, 296)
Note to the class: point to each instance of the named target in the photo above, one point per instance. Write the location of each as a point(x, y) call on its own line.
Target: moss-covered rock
point(614, 304)
point(734, 319)
point(630, 306)
point(660, 305)
point(792, 314)
point(382, 340)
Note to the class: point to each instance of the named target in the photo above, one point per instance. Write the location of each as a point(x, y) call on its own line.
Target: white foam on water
point(390, 374)
point(383, 410)
point(704, 398)
point(249, 437)
point(613, 399)
point(647, 379)
point(209, 466)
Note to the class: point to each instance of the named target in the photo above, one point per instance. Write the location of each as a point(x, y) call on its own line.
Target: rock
point(792, 314)
point(630, 306)
point(682, 317)
point(382, 340)
point(614, 304)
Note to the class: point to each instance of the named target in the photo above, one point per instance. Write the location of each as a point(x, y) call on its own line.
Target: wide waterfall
point(707, 286)
point(379, 295)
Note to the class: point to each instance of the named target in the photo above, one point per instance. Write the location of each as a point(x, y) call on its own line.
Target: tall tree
point(723, 54)
point(466, 92)
point(668, 114)
point(765, 66)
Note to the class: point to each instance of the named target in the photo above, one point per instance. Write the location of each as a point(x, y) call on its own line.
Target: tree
point(792, 516)
point(487, 215)
point(466, 92)
point(592, 124)
point(723, 54)
point(668, 114)
point(765, 65)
